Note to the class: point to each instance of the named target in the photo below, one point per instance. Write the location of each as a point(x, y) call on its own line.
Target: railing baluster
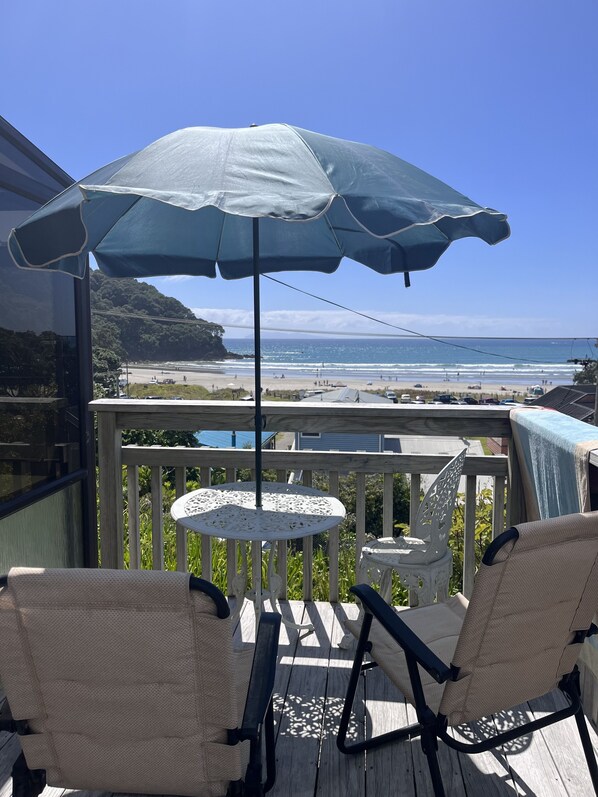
point(414, 497)
point(133, 517)
point(281, 564)
point(415, 484)
point(333, 545)
point(308, 553)
point(180, 487)
point(157, 520)
point(231, 545)
point(387, 505)
point(469, 536)
point(205, 475)
point(359, 514)
point(498, 506)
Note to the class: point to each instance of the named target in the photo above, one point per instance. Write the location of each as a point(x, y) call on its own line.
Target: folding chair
point(518, 638)
point(127, 681)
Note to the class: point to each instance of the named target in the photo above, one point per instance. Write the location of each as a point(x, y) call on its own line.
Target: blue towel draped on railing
point(553, 451)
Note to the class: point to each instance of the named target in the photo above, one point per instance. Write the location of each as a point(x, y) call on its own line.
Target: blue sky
point(496, 99)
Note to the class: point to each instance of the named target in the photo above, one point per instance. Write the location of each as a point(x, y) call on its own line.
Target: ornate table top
point(229, 511)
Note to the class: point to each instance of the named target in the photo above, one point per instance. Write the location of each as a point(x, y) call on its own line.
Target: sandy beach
point(141, 374)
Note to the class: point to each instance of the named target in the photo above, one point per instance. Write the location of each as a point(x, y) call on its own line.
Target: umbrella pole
point(259, 421)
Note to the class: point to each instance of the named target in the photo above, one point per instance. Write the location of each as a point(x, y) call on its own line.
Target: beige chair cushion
point(524, 610)
point(512, 643)
point(438, 625)
point(128, 679)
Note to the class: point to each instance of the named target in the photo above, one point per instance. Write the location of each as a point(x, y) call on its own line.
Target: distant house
point(234, 439)
point(339, 441)
point(577, 401)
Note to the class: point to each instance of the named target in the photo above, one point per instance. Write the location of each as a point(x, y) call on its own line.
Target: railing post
point(110, 491)
point(498, 506)
point(515, 498)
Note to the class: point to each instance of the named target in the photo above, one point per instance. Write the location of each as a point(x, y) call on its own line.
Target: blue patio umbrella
point(249, 201)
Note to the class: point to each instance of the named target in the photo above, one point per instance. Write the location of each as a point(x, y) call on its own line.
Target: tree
point(136, 338)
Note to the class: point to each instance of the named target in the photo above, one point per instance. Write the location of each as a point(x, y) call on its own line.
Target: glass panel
point(39, 380)
point(47, 533)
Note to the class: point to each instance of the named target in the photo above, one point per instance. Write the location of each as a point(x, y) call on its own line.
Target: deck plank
point(340, 774)
point(563, 742)
point(298, 741)
point(530, 759)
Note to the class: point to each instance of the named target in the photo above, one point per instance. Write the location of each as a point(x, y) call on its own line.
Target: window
point(41, 396)
point(311, 434)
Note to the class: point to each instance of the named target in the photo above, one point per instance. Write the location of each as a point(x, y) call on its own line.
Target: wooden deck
point(311, 681)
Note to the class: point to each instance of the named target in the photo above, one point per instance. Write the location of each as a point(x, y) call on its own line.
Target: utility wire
point(412, 332)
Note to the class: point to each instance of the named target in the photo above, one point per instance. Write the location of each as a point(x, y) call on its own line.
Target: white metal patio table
point(288, 511)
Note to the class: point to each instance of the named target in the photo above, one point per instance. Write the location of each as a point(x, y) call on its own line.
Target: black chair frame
point(258, 715)
point(431, 726)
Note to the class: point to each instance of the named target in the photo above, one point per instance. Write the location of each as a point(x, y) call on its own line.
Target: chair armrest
point(401, 633)
point(261, 681)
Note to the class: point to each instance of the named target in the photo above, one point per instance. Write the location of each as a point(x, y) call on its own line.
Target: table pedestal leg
point(257, 594)
point(274, 587)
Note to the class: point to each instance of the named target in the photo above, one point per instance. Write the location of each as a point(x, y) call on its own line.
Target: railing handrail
point(284, 416)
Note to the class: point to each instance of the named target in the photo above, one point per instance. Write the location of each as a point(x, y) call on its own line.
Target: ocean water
point(516, 361)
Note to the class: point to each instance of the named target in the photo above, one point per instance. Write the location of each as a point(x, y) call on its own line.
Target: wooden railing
point(449, 421)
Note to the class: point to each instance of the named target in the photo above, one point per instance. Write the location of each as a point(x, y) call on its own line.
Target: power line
point(333, 333)
point(411, 332)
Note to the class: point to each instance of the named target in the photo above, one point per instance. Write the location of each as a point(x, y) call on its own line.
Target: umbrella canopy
point(250, 201)
point(185, 203)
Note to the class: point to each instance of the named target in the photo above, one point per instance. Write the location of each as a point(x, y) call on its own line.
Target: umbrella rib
point(114, 223)
point(217, 258)
point(341, 249)
point(314, 156)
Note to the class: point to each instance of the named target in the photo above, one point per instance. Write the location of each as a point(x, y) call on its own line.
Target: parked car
point(469, 400)
point(405, 398)
point(168, 382)
point(445, 398)
point(420, 400)
point(417, 384)
point(489, 401)
point(390, 394)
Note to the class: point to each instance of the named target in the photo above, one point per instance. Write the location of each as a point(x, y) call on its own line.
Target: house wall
point(44, 534)
point(329, 441)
